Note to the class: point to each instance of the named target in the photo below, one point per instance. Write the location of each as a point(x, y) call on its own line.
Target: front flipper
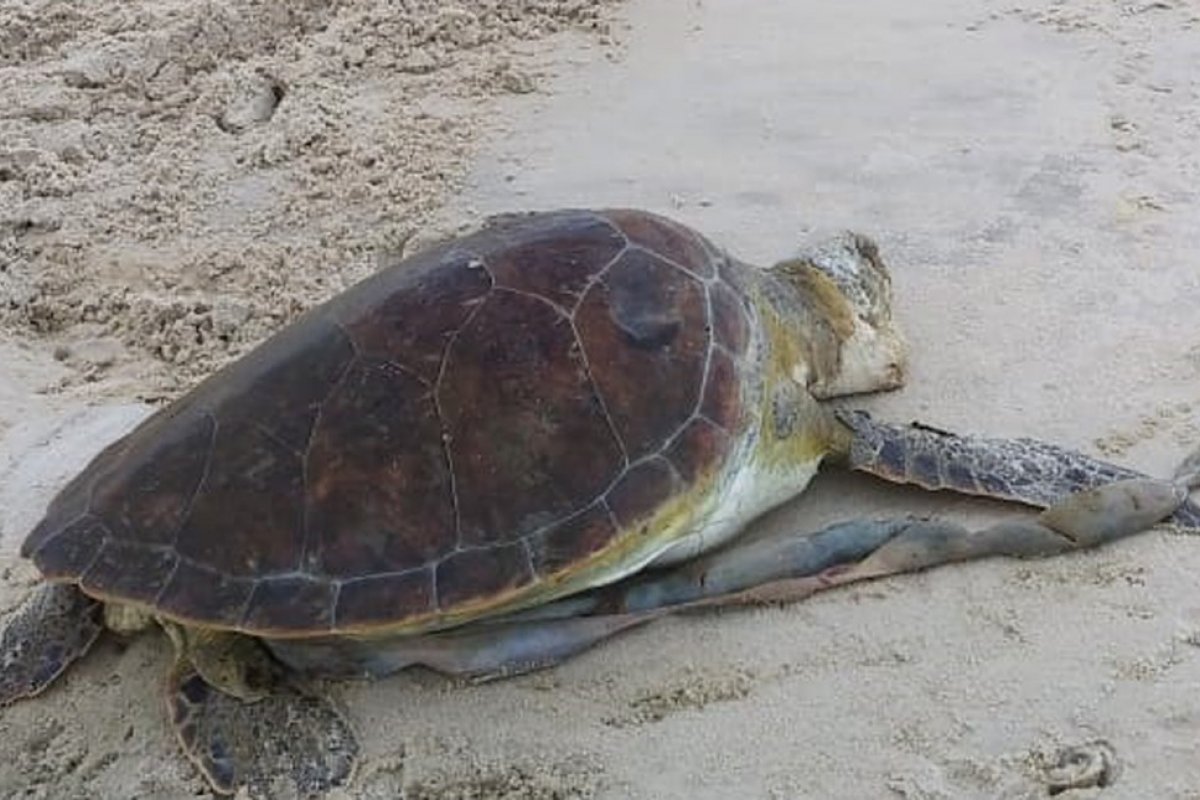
point(1021, 470)
point(286, 737)
point(52, 628)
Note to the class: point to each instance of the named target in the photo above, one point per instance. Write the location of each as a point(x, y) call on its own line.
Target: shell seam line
point(595, 386)
point(444, 433)
point(203, 480)
point(306, 534)
point(594, 279)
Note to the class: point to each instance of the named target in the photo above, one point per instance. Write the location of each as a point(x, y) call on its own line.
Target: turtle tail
point(1021, 470)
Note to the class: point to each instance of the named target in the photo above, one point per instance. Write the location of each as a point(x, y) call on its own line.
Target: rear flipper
point(1021, 470)
point(1082, 520)
point(286, 737)
point(547, 635)
point(740, 566)
point(792, 567)
point(785, 569)
point(777, 569)
point(52, 628)
point(481, 652)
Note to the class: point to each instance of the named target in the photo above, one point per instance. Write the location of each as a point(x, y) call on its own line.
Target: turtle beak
point(871, 360)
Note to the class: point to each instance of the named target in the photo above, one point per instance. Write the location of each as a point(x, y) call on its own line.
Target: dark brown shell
point(447, 434)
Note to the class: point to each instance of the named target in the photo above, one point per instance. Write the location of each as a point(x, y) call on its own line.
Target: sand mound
point(179, 179)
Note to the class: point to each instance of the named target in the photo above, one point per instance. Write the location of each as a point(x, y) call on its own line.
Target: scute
point(380, 599)
point(667, 239)
point(643, 321)
point(642, 489)
point(289, 602)
point(280, 389)
point(147, 501)
point(69, 550)
point(528, 436)
point(409, 313)
point(199, 593)
point(461, 427)
point(730, 324)
point(554, 256)
point(482, 574)
point(571, 541)
point(69, 507)
point(722, 403)
point(248, 518)
point(129, 570)
point(378, 486)
point(698, 448)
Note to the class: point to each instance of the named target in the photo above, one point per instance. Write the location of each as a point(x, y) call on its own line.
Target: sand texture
point(178, 179)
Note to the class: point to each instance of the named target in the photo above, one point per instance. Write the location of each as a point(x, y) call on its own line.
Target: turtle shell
point(442, 439)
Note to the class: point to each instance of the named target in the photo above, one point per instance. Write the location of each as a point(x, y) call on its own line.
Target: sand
point(178, 179)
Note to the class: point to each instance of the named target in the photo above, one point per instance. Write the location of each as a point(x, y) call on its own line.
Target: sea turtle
point(468, 461)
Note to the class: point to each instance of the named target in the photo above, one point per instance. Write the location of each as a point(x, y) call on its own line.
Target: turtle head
point(842, 285)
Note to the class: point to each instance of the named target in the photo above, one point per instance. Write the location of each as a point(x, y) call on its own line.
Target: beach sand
point(179, 179)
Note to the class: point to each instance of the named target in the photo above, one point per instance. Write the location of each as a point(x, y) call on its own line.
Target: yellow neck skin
point(795, 427)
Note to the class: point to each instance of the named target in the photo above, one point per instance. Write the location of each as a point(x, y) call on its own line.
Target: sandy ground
point(1029, 172)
